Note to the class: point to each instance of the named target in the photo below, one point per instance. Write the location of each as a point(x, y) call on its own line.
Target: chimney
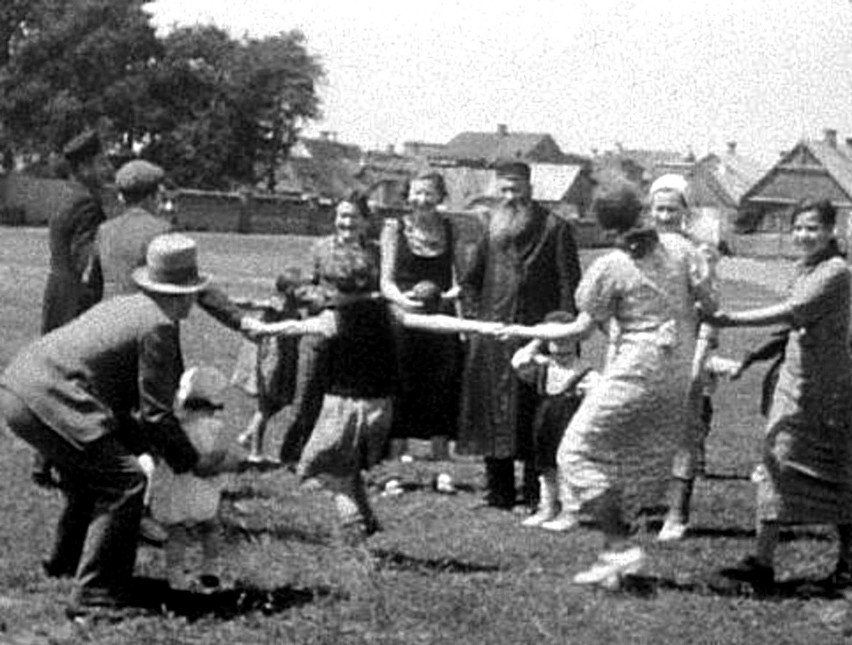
point(732, 148)
point(502, 129)
point(830, 137)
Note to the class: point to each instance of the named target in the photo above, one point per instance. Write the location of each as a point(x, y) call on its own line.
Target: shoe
point(393, 488)
point(151, 532)
point(611, 567)
point(749, 570)
point(672, 531)
point(207, 583)
point(539, 518)
point(565, 521)
point(841, 576)
point(444, 484)
point(57, 570)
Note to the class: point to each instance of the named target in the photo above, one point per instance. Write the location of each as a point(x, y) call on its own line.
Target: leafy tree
point(209, 108)
point(71, 64)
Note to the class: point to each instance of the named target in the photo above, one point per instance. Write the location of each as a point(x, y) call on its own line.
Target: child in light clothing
point(187, 505)
point(561, 380)
point(266, 370)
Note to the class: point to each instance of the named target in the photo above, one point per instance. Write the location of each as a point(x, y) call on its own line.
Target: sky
point(592, 73)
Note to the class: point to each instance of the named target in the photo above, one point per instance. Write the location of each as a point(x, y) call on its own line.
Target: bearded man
point(525, 266)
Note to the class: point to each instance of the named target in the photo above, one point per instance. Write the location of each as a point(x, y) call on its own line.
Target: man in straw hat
point(91, 395)
point(525, 266)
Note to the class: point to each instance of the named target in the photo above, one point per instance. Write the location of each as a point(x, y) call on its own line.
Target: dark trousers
point(500, 483)
point(104, 488)
point(310, 390)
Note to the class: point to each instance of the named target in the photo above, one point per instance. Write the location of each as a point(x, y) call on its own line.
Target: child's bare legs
point(357, 520)
point(175, 548)
point(252, 437)
point(210, 543)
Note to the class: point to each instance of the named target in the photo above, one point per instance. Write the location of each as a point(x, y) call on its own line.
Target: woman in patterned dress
point(618, 448)
point(806, 472)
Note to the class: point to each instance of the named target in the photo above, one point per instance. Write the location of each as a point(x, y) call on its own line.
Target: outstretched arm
point(443, 324)
point(781, 313)
point(578, 329)
point(323, 324)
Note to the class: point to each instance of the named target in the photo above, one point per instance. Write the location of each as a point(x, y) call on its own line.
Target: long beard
point(510, 224)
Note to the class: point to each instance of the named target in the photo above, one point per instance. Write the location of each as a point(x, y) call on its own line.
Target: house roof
point(490, 146)
point(325, 149)
point(551, 181)
point(812, 169)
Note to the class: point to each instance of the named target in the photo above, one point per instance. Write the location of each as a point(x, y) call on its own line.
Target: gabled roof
point(551, 181)
point(490, 146)
point(812, 169)
point(325, 149)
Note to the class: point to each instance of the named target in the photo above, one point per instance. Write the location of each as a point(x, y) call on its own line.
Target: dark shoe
point(841, 576)
point(749, 570)
point(102, 606)
point(57, 570)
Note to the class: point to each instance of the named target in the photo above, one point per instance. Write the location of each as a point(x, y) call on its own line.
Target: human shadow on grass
point(745, 533)
point(245, 532)
point(224, 604)
point(388, 559)
point(714, 584)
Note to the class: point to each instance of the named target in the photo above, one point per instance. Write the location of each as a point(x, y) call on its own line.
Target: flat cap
point(82, 147)
point(139, 176)
point(512, 169)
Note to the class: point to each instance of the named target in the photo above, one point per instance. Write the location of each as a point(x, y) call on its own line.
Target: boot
point(548, 505)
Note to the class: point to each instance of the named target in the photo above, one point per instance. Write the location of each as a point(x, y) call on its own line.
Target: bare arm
point(578, 330)
point(764, 316)
point(323, 324)
point(443, 324)
point(387, 279)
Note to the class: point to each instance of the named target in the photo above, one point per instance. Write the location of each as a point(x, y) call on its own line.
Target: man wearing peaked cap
point(525, 266)
point(72, 286)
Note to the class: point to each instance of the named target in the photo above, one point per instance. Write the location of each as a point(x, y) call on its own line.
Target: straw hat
point(171, 266)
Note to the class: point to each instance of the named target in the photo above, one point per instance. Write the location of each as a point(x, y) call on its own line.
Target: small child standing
point(266, 370)
point(561, 381)
point(187, 505)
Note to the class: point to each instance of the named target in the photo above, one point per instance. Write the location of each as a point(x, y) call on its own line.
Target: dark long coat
point(72, 284)
point(513, 285)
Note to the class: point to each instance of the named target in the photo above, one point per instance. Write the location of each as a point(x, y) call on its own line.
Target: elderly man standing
point(72, 284)
point(525, 266)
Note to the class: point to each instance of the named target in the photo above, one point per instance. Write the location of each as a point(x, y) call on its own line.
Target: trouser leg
point(500, 482)
point(71, 533)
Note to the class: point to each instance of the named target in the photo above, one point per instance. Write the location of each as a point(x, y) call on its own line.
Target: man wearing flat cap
point(72, 285)
point(121, 242)
point(525, 266)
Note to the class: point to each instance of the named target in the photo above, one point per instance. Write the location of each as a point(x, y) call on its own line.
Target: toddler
point(187, 505)
point(266, 370)
point(561, 381)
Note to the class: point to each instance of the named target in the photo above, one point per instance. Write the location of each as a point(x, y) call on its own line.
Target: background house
point(812, 169)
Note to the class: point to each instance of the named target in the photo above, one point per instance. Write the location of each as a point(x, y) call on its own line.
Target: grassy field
point(442, 571)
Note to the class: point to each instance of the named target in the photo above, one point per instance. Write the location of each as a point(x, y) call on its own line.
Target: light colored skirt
point(350, 435)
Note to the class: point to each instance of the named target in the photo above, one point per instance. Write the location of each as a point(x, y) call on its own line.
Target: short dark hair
point(359, 201)
point(825, 210)
point(617, 206)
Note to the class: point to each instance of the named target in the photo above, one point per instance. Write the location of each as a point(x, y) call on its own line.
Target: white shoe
point(672, 531)
point(565, 521)
point(444, 484)
point(393, 488)
point(611, 567)
point(540, 517)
